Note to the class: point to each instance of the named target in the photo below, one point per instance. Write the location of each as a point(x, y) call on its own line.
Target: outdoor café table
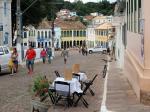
point(83, 76)
point(75, 85)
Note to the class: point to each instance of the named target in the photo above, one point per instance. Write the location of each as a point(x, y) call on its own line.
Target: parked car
point(96, 49)
point(5, 55)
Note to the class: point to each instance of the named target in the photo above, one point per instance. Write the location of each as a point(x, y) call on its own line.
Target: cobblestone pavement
point(15, 90)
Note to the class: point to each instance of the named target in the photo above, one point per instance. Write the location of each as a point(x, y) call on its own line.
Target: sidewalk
point(120, 95)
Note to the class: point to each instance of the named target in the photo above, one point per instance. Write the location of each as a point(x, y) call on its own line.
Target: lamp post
point(19, 29)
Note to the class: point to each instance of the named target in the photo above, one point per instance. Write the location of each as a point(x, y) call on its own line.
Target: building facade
point(137, 53)
point(73, 33)
point(103, 34)
point(101, 19)
point(5, 23)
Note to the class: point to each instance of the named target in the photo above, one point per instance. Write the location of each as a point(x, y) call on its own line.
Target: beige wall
point(137, 67)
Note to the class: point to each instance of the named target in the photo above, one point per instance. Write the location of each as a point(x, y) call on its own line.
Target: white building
point(41, 36)
point(97, 32)
point(102, 19)
point(57, 37)
point(5, 23)
point(90, 35)
point(29, 36)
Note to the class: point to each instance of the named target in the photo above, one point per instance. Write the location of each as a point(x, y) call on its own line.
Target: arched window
point(81, 33)
point(38, 34)
point(74, 33)
point(49, 34)
point(42, 34)
point(45, 34)
point(34, 32)
point(84, 33)
point(31, 32)
point(65, 33)
point(68, 34)
point(77, 33)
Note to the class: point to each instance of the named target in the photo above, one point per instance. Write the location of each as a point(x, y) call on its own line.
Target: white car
point(5, 55)
point(96, 49)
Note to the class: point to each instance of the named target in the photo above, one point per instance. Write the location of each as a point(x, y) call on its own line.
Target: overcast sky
point(91, 0)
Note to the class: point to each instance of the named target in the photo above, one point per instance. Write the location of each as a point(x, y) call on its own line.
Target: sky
point(91, 0)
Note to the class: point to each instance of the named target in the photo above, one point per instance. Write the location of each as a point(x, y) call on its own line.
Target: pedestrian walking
point(86, 50)
point(65, 54)
point(43, 55)
point(108, 50)
point(83, 51)
point(49, 54)
point(30, 56)
point(14, 57)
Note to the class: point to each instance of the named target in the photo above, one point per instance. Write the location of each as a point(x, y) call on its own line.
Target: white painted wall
point(5, 22)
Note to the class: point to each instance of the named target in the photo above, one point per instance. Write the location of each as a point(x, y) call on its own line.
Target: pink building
point(137, 52)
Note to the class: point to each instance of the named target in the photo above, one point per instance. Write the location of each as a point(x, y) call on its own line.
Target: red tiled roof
point(66, 25)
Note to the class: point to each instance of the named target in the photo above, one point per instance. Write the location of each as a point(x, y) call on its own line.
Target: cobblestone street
point(15, 90)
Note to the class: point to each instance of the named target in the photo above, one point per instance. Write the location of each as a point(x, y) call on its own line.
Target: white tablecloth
point(75, 85)
point(83, 76)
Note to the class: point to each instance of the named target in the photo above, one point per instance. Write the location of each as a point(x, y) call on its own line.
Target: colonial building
point(5, 23)
point(103, 34)
point(44, 34)
point(29, 36)
point(102, 19)
point(100, 35)
point(73, 33)
point(137, 54)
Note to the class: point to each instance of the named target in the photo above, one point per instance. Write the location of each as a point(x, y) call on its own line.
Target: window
point(65, 33)
point(84, 33)
point(49, 34)
point(25, 44)
point(71, 33)
point(42, 34)
point(62, 33)
point(139, 3)
point(68, 34)
point(81, 33)
point(77, 33)
point(135, 7)
point(74, 33)
point(34, 32)
point(45, 34)
point(38, 34)
point(25, 34)
point(5, 8)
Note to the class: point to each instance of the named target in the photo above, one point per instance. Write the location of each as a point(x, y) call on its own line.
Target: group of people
point(46, 53)
point(83, 50)
point(29, 57)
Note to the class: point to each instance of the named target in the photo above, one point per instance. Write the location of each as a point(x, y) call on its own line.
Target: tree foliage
point(48, 8)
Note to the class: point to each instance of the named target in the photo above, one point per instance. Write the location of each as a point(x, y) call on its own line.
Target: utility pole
point(19, 32)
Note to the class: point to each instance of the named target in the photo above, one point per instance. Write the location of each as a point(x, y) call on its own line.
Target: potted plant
point(40, 93)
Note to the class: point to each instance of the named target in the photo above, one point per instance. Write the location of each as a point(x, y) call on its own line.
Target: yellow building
point(103, 34)
point(73, 33)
